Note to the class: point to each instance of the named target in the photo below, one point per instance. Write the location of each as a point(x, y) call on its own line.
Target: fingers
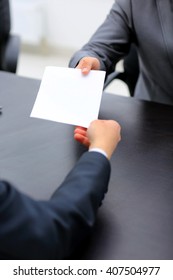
point(82, 139)
point(80, 130)
point(80, 135)
point(88, 63)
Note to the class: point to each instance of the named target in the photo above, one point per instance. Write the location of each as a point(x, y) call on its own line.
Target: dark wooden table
point(136, 218)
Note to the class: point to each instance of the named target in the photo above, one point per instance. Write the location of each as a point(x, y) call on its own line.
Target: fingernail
point(85, 69)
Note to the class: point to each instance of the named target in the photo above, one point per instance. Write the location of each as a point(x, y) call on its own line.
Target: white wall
point(72, 22)
point(65, 23)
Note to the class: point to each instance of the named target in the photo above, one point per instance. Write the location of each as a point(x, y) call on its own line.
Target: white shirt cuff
point(98, 151)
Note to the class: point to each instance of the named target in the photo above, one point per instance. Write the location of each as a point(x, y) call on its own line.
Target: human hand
point(88, 63)
point(103, 134)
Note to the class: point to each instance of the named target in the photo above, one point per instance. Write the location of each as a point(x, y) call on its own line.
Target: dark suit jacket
point(53, 229)
point(149, 25)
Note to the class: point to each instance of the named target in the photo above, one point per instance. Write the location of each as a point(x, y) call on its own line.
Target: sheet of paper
point(67, 96)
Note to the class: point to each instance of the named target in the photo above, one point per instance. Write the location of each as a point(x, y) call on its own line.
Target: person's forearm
point(53, 229)
point(80, 196)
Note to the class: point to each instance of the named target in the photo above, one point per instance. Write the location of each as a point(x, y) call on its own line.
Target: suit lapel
point(165, 13)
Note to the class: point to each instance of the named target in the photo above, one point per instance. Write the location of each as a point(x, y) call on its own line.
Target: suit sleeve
point(53, 229)
point(111, 41)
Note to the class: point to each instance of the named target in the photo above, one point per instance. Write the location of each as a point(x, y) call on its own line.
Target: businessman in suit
point(53, 229)
point(148, 25)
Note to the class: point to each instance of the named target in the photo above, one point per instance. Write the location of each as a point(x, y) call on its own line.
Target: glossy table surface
point(136, 218)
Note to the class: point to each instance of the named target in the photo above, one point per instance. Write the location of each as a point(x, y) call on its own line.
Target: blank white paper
point(68, 96)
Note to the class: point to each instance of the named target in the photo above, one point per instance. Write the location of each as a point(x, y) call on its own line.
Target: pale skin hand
point(103, 134)
point(88, 63)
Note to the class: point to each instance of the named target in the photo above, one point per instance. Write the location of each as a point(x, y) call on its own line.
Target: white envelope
point(68, 96)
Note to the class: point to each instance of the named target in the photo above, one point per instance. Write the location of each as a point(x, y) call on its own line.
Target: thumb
point(85, 65)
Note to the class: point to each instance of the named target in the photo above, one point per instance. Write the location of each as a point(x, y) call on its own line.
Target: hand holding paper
point(67, 96)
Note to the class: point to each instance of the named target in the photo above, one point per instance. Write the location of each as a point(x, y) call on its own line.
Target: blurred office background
point(52, 30)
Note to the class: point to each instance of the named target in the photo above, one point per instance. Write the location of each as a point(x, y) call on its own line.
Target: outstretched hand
point(101, 134)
